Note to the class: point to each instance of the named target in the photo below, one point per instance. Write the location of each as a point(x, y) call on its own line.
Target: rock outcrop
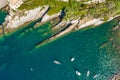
point(14, 4)
point(3, 3)
point(116, 77)
point(19, 18)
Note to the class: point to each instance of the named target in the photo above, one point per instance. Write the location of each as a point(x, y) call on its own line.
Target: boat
point(56, 62)
point(78, 73)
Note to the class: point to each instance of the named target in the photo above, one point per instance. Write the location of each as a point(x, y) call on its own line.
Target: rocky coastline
point(19, 18)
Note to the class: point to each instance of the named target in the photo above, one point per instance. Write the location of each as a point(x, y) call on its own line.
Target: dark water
point(95, 50)
point(2, 16)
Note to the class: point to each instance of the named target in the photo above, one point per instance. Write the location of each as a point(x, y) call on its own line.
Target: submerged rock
point(116, 77)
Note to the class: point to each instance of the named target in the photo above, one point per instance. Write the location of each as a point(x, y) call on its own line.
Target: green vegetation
point(55, 6)
point(75, 9)
point(117, 3)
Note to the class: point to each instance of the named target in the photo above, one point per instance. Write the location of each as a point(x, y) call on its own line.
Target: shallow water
point(94, 50)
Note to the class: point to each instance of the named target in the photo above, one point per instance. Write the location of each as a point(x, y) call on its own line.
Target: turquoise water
point(94, 50)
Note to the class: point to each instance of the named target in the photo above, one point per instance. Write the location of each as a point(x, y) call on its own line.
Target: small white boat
point(72, 59)
point(88, 73)
point(56, 62)
point(78, 73)
point(95, 76)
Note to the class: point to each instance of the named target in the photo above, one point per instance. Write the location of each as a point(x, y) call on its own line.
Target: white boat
point(56, 62)
point(95, 76)
point(78, 73)
point(72, 59)
point(88, 73)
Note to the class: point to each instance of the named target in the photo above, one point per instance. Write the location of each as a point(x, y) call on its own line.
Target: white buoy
point(88, 73)
point(78, 73)
point(72, 59)
point(31, 69)
point(95, 76)
point(56, 62)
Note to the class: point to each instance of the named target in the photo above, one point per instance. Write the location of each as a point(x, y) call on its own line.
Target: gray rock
point(3, 3)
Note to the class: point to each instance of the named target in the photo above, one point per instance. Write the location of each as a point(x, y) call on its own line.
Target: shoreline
point(20, 20)
point(16, 21)
point(73, 27)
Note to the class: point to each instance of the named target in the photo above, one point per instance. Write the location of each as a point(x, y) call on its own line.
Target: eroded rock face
point(3, 3)
point(14, 4)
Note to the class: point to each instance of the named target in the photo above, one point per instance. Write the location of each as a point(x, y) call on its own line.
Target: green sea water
point(95, 50)
point(2, 16)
